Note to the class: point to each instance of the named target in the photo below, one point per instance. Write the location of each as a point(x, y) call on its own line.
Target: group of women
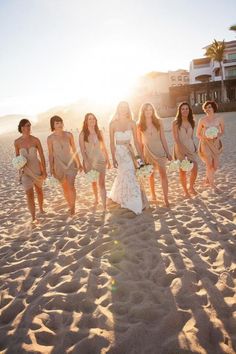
point(149, 140)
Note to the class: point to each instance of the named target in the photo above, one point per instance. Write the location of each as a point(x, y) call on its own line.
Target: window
point(180, 78)
point(173, 78)
point(231, 72)
point(232, 56)
point(185, 78)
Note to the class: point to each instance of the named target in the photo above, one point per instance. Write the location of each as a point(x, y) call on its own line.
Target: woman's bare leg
point(193, 178)
point(164, 183)
point(102, 189)
point(183, 181)
point(39, 192)
point(152, 186)
point(30, 202)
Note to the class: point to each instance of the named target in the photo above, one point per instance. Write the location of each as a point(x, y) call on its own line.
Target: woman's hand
point(115, 163)
point(169, 157)
point(80, 167)
point(52, 172)
point(44, 175)
point(108, 164)
point(87, 165)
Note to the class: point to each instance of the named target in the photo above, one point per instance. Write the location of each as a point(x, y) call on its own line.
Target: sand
point(159, 283)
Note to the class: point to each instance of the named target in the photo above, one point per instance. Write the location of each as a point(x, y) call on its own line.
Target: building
point(154, 87)
point(178, 78)
point(205, 79)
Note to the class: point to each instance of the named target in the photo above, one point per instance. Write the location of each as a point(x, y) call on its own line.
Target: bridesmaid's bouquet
point(211, 132)
point(144, 171)
point(174, 165)
point(186, 165)
point(92, 176)
point(52, 182)
point(19, 162)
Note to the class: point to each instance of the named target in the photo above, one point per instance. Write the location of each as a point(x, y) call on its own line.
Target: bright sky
point(58, 51)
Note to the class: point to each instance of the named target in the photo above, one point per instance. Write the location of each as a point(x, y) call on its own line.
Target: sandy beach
point(163, 282)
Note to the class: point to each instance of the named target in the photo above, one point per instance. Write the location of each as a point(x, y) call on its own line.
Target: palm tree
point(232, 28)
point(216, 52)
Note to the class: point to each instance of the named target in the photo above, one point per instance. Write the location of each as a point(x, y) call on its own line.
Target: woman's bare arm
point(105, 150)
point(136, 143)
point(42, 158)
point(50, 155)
point(164, 142)
point(75, 153)
point(112, 144)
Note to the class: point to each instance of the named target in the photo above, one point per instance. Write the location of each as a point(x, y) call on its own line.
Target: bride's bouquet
point(144, 171)
point(211, 132)
point(92, 176)
point(52, 182)
point(19, 162)
point(174, 165)
point(186, 165)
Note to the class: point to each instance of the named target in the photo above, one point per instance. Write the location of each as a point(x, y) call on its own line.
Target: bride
point(126, 190)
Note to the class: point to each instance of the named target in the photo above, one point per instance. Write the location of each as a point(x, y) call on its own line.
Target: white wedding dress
point(126, 189)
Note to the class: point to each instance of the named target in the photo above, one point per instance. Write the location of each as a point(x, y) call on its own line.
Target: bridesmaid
point(94, 152)
point(34, 172)
point(64, 160)
point(210, 149)
point(151, 137)
point(183, 127)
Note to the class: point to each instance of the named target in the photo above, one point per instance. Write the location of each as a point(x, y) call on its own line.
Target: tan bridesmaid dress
point(31, 172)
point(63, 159)
point(209, 150)
point(154, 152)
point(95, 155)
point(189, 149)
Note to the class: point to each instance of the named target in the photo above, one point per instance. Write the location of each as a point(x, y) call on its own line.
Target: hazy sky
point(56, 51)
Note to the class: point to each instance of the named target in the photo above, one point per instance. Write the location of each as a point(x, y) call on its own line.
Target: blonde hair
point(129, 113)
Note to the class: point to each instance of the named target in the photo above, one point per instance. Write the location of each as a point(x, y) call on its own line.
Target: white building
point(206, 70)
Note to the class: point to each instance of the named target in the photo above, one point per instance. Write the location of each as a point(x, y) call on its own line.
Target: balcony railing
point(230, 77)
point(225, 61)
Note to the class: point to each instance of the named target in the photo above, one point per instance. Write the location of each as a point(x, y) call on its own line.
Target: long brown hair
point(178, 117)
point(142, 119)
point(85, 129)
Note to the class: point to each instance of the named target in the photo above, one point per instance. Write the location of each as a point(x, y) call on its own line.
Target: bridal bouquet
point(174, 165)
point(186, 165)
point(144, 171)
point(19, 162)
point(52, 182)
point(211, 132)
point(92, 176)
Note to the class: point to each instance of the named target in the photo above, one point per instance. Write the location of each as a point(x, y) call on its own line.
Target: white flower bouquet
point(174, 165)
point(144, 171)
point(19, 162)
point(52, 182)
point(211, 132)
point(92, 176)
point(186, 165)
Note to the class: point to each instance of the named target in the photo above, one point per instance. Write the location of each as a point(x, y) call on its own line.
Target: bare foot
point(167, 204)
point(72, 211)
point(42, 212)
point(206, 182)
point(187, 195)
point(35, 222)
point(192, 191)
point(154, 199)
